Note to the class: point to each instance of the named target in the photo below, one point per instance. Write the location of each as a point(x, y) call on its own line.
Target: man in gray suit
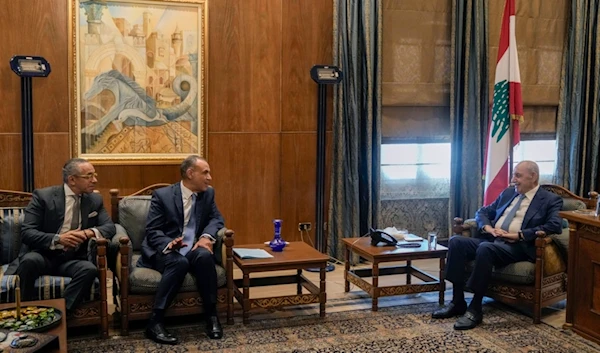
point(59, 223)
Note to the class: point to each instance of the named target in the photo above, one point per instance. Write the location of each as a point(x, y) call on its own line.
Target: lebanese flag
point(508, 104)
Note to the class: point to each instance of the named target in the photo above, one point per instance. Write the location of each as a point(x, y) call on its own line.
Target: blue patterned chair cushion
point(10, 233)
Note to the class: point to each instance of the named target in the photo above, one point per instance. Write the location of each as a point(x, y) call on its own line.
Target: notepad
point(251, 253)
point(412, 237)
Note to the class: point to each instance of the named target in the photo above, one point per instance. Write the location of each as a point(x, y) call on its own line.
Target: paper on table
point(402, 236)
point(251, 253)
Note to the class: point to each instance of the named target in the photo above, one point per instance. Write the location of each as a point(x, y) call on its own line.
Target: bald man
point(508, 228)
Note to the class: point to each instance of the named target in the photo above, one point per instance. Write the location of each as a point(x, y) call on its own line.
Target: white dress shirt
point(517, 221)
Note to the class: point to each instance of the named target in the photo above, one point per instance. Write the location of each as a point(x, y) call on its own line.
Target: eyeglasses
point(88, 176)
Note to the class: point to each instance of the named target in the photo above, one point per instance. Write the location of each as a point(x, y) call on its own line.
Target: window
point(543, 152)
point(411, 171)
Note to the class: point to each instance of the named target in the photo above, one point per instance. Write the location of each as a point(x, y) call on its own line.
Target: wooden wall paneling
point(131, 178)
point(33, 29)
point(11, 171)
point(50, 152)
point(298, 182)
point(246, 177)
point(244, 65)
point(307, 41)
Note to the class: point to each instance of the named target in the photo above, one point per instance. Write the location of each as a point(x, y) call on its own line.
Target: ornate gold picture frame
point(139, 80)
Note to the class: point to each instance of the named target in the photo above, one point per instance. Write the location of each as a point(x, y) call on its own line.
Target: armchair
point(93, 311)
point(544, 282)
point(137, 286)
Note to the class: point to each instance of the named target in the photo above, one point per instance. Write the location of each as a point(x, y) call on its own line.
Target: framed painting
point(139, 80)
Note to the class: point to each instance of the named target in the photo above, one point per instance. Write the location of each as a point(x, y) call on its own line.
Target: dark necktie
point(511, 215)
point(75, 218)
point(189, 232)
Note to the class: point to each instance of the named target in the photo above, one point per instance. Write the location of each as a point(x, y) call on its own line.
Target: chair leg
point(124, 319)
point(537, 313)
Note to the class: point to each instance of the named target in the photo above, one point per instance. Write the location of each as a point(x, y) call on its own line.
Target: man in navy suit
point(508, 228)
point(58, 223)
point(181, 229)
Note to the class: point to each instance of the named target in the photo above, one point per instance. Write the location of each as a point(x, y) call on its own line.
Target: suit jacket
point(44, 217)
point(165, 219)
point(542, 214)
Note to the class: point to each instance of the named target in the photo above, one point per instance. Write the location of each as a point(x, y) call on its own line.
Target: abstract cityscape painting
point(139, 80)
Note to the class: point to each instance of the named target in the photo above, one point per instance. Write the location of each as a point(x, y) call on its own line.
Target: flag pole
point(511, 149)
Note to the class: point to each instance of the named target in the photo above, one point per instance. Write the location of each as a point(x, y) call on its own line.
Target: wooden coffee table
point(60, 330)
point(379, 254)
point(295, 256)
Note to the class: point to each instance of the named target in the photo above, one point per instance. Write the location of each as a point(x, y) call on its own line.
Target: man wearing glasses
point(59, 221)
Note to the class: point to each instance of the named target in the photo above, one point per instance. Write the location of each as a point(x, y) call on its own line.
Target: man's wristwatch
point(209, 237)
point(521, 238)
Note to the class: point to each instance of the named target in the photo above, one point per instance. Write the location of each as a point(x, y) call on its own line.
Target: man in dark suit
point(508, 228)
point(181, 228)
point(59, 223)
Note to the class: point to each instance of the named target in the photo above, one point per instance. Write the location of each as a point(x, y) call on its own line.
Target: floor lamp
point(27, 67)
point(323, 75)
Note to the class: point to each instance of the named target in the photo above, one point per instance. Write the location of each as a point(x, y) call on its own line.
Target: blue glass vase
point(277, 244)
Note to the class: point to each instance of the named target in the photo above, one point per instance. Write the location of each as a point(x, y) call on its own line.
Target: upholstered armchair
point(543, 283)
point(93, 311)
point(137, 286)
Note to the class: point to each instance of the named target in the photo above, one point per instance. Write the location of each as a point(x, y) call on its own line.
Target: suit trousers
point(58, 263)
point(486, 254)
point(173, 266)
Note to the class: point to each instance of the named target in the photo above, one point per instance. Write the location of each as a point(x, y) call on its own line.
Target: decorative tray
point(33, 318)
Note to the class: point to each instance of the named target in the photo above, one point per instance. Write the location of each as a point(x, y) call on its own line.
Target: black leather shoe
point(450, 311)
point(159, 334)
point(468, 321)
point(213, 328)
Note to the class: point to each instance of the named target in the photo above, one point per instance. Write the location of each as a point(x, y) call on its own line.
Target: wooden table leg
point(442, 280)
point(322, 293)
point(246, 304)
point(299, 282)
point(346, 270)
point(408, 269)
point(375, 285)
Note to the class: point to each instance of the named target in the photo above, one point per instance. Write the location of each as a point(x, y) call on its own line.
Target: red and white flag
point(508, 104)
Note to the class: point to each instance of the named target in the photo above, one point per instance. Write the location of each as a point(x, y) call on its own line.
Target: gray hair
point(188, 163)
point(71, 168)
point(532, 167)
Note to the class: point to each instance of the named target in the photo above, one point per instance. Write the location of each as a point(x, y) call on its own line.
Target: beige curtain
point(416, 69)
point(541, 33)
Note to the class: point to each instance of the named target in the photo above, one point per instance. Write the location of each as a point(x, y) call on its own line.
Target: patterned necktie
point(189, 232)
point(511, 214)
point(75, 218)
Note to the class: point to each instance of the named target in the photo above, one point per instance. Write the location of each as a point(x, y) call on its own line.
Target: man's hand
point(204, 243)
point(89, 233)
point(494, 231)
point(177, 244)
point(72, 238)
point(511, 237)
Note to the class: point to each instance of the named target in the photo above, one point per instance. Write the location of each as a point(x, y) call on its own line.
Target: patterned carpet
point(406, 328)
